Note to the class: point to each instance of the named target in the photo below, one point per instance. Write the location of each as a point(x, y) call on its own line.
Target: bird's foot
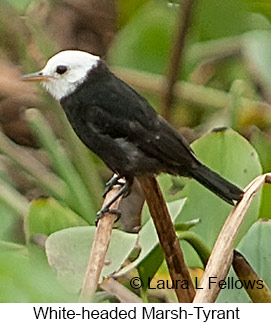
point(105, 210)
point(123, 192)
point(115, 180)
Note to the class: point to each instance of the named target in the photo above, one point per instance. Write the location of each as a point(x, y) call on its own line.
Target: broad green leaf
point(262, 6)
point(230, 294)
point(22, 280)
point(68, 252)
point(151, 263)
point(47, 216)
point(255, 246)
point(229, 154)
point(170, 186)
point(148, 240)
point(215, 19)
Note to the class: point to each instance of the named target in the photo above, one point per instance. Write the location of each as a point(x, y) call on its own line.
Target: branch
point(185, 13)
point(222, 254)
point(99, 249)
point(168, 238)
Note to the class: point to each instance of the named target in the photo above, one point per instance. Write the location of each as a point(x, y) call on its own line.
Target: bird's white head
point(64, 72)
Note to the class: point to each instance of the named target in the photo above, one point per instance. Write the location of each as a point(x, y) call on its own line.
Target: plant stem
point(167, 237)
point(195, 241)
point(32, 166)
point(99, 249)
point(13, 199)
point(79, 196)
point(185, 13)
point(189, 92)
point(215, 49)
point(245, 272)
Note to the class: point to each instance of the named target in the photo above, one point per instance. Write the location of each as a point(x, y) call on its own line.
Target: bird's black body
point(120, 126)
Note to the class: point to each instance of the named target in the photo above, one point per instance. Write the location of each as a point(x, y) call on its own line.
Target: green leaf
point(22, 280)
point(152, 261)
point(144, 42)
point(229, 154)
point(11, 247)
point(148, 241)
point(262, 143)
point(266, 202)
point(232, 295)
point(79, 198)
point(149, 266)
point(170, 186)
point(68, 252)
point(214, 19)
point(255, 246)
point(47, 216)
point(262, 6)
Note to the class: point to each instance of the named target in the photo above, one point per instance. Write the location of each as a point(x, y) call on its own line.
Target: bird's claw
point(111, 183)
point(103, 211)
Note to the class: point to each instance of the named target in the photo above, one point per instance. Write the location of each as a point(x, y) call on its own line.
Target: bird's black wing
point(116, 110)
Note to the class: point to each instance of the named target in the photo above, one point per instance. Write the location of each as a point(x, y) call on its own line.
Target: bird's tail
point(217, 184)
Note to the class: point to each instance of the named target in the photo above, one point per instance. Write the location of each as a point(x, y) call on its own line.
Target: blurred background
point(201, 64)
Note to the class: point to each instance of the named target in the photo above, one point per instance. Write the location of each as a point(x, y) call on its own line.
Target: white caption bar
point(132, 312)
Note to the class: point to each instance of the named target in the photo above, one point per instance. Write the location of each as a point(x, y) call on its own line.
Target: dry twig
point(221, 257)
point(99, 249)
point(116, 289)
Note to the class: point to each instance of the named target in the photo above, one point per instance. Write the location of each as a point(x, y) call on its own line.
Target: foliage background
point(224, 81)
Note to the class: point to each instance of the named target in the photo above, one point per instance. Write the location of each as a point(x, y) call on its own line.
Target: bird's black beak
point(34, 77)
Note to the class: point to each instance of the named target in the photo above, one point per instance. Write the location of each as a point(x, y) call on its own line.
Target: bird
point(121, 127)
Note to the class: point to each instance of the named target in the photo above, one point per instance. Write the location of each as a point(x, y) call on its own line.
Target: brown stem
point(245, 272)
point(173, 71)
point(122, 293)
point(98, 250)
point(168, 238)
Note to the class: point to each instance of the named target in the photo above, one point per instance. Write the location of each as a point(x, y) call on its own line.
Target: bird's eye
point(61, 69)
